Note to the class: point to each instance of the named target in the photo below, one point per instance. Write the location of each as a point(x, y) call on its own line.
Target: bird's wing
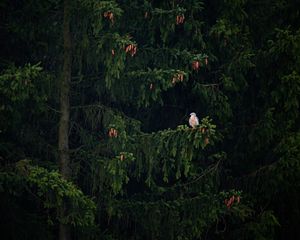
point(191, 121)
point(196, 121)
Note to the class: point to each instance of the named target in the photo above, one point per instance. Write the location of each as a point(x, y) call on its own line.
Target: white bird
point(193, 121)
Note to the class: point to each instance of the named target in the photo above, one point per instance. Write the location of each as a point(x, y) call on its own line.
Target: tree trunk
point(63, 138)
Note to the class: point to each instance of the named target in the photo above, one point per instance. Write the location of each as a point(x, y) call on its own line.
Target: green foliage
point(117, 169)
point(50, 188)
point(18, 85)
point(261, 229)
point(286, 170)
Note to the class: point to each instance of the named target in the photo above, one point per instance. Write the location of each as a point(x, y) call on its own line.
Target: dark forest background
point(95, 98)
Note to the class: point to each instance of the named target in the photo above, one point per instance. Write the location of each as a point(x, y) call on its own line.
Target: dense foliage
point(138, 171)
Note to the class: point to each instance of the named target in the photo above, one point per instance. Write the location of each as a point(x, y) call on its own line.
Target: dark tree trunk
point(63, 138)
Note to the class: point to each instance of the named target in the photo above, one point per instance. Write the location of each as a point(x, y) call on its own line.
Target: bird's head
point(192, 114)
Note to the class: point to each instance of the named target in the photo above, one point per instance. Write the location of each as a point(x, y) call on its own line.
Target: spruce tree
point(152, 182)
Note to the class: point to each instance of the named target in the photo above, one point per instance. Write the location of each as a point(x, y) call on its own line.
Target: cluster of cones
point(197, 64)
point(112, 132)
point(178, 77)
point(229, 202)
point(109, 15)
point(179, 19)
point(131, 49)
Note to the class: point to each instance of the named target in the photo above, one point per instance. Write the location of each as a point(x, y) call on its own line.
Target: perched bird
point(193, 121)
